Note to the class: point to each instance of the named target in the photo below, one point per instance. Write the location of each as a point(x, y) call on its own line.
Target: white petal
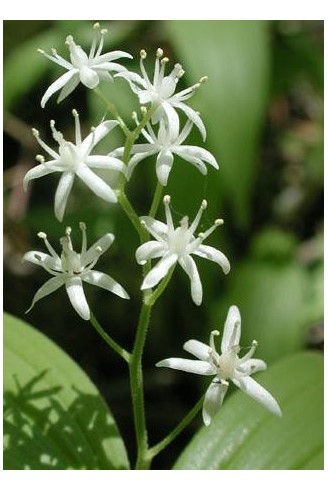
point(231, 331)
point(173, 120)
point(156, 228)
point(104, 281)
point(201, 167)
point(96, 184)
point(256, 391)
point(48, 287)
point(104, 243)
point(215, 255)
point(213, 399)
point(68, 88)
point(50, 262)
point(38, 171)
point(89, 77)
point(97, 135)
point(197, 349)
point(195, 367)
point(113, 55)
point(105, 163)
point(164, 164)
point(62, 193)
point(191, 152)
point(189, 266)
point(77, 298)
point(57, 85)
point(192, 115)
point(251, 366)
point(159, 271)
point(149, 250)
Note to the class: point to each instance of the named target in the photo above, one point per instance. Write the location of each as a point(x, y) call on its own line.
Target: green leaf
point(54, 417)
point(243, 436)
point(235, 55)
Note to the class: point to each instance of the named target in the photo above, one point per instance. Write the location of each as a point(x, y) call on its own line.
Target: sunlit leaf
point(243, 436)
point(54, 417)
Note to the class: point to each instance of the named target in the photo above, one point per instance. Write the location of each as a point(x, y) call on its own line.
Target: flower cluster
point(161, 106)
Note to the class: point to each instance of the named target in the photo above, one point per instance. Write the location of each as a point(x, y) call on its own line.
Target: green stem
point(153, 297)
point(109, 341)
point(156, 200)
point(131, 214)
point(153, 451)
point(137, 391)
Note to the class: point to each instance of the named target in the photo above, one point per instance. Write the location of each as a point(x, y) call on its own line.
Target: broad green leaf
point(235, 55)
point(54, 417)
point(243, 436)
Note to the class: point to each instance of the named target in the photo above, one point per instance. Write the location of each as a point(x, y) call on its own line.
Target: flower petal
point(104, 281)
point(159, 271)
point(213, 399)
point(68, 88)
point(62, 193)
point(189, 266)
point(40, 258)
point(96, 184)
point(192, 115)
point(136, 159)
point(251, 366)
point(149, 250)
point(48, 287)
point(89, 77)
point(113, 55)
point(76, 296)
point(231, 331)
point(104, 243)
point(195, 367)
point(164, 164)
point(197, 349)
point(172, 118)
point(213, 254)
point(38, 171)
point(57, 85)
point(156, 228)
point(97, 135)
point(105, 163)
point(256, 391)
point(195, 152)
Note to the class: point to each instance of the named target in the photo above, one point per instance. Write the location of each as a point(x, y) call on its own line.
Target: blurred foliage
point(263, 110)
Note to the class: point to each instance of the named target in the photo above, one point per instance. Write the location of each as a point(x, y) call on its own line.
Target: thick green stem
point(137, 391)
point(109, 341)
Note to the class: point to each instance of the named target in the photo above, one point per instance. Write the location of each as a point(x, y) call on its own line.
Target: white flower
point(72, 268)
point(73, 160)
point(160, 92)
point(176, 245)
point(225, 366)
point(166, 144)
point(83, 68)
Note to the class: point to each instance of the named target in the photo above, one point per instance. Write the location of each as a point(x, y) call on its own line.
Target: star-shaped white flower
point(174, 245)
point(75, 160)
point(72, 268)
point(88, 70)
point(167, 144)
point(225, 366)
point(160, 92)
